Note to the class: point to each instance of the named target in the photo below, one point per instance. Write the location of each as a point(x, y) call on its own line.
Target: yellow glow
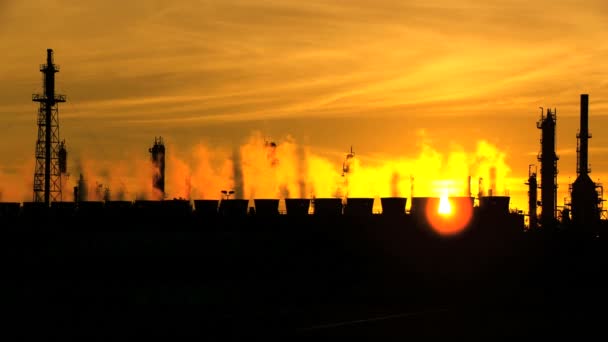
point(445, 208)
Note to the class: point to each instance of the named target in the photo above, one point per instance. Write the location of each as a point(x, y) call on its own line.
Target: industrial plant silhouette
point(320, 265)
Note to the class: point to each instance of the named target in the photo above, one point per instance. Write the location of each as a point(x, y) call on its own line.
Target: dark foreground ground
point(373, 278)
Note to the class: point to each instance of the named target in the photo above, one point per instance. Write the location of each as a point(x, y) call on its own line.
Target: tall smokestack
point(585, 198)
point(583, 162)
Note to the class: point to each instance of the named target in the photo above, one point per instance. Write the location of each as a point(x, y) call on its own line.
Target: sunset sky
point(390, 78)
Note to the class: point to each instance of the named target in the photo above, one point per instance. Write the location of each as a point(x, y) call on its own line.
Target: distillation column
point(548, 168)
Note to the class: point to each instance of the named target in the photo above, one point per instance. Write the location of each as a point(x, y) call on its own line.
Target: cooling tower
point(297, 206)
point(175, 208)
point(206, 207)
point(266, 207)
point(359, 207)
point(327, 206)
point(234, 207)
point(393, 206)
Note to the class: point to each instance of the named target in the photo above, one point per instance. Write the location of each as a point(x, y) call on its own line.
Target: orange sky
point(388, 77)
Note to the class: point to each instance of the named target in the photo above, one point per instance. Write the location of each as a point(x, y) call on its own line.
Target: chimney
point(583, 166)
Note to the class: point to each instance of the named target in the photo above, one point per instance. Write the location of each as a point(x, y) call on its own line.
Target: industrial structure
point(585, 199)
point(583, 212)
point(158, 162)
point(51, 155)
point(80, 191)
point(532, 184)
point(548, 168)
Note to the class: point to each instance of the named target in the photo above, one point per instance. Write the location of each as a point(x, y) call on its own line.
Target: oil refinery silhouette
point(313, 266)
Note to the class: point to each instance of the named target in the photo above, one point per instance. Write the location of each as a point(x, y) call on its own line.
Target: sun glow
point(449, 216)
point(445, 208)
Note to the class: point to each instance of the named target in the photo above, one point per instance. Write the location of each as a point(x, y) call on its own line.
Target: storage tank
point(266, 207)
point(327, 206)
point(393, 206)
point(297, 206)
point(359, 206)
point(234, 207)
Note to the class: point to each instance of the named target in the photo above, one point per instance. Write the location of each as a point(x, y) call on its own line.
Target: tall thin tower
point(47, 176)
point(548, 168)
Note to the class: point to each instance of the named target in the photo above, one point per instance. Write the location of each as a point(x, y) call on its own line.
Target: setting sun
point(449, 215)
point(445, 208)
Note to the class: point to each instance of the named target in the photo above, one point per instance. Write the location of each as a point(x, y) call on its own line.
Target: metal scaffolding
point(48, 172)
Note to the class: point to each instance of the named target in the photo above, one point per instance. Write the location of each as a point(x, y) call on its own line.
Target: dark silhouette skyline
point(438, 99)
point(370, 75)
